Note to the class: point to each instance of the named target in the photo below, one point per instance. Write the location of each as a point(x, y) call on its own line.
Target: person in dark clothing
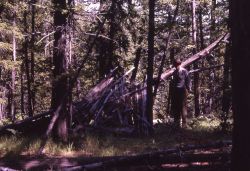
point(181, 85)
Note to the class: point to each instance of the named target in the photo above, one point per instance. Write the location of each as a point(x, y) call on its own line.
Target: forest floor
point(19, 152)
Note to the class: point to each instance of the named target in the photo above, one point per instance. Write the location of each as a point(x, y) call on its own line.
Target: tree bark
point(196, 75)
point(22, 89)
point(240, 29)
point(13, 73)
point(150, 68)
point(64, 98)
point(27, 64)
point(227, 92)
point(32, 57)
point(173, 21)
point(212, 61)
point(170, 88)
point(60, 86)
point(136, 64)
point(212, 13)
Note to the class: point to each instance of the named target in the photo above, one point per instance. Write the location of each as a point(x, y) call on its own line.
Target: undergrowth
point(200, 130)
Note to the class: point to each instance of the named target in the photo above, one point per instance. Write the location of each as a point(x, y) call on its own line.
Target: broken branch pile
point(112, 102)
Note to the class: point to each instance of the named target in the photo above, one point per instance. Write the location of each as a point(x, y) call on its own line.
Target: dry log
point(116, 131)
point(157, 160)
point(205, 69)
point(197, 56)
point(153, 160)
point(7, 169)
point(94, 93)
point(170, 156)
point(26, 124)
point(203, 53)
point(72, 163)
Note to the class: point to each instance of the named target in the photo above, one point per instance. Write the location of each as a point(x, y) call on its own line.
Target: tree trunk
point(22, 89)
point(27, 64)
point(226, 96)
point(136, 64)
point(196, 75)
point(112, 31)
point(212, 13)
point(60, 86)
point(240, 28)
point(170, 88)
point(70, 56)
point(3, 103)
point(150, 67)
point(13, 73)
point(32, 57)
point(202, 44)
point(103, 45)
point(173, 21)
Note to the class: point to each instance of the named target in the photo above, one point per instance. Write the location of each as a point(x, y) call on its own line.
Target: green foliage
point(5, 47)
point(10, 64)
point(130, 29)
point(95, 144)
point(208, 123)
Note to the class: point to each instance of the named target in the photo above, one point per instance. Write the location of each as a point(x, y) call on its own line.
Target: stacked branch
point(112, 102)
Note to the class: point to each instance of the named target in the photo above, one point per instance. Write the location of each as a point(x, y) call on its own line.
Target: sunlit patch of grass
point(204, 123)
point(10, 144)
point(200, 130)
point(109, 151)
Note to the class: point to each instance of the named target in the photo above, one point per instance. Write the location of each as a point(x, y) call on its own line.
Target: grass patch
point(200, 130)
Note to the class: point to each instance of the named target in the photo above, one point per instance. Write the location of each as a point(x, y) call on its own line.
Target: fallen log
point(25, 124)
point(24, 162)
point(158, 160)
point(154, 161)
point(7, 169)
point(170, 156)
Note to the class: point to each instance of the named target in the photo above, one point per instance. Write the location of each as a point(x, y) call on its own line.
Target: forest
point(128, 85)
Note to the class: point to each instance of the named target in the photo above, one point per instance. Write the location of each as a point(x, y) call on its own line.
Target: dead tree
point(115, 101)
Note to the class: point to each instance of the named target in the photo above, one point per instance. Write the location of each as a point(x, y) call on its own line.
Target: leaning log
point(95, 92)
point(205, 69)
point(196, 57)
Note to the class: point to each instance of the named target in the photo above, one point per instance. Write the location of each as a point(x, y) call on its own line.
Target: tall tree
point(13, 72)
point(26, 61)
point(196, 75)
point(60, 86)
point(150, 68)
point(32, 56)
point(240, 29)
point(226, 96)
point(211, 61)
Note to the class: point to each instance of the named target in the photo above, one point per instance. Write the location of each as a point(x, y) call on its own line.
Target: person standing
point(181, 85)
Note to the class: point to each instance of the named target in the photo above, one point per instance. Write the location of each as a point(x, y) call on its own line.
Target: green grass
point(200, 130)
